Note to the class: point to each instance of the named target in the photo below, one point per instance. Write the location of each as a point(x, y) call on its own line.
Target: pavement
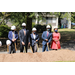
point(18, 51)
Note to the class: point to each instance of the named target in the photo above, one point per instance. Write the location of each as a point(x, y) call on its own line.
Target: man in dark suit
point(24, 37)
point(13, 36)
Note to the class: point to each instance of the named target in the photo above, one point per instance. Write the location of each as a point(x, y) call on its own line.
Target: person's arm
point(9, 36)
point(37, 38)
point(28, 36)
point(20, 36)
point(59, 38)
point(50, 38)
point(16, 35)
point(44, 38)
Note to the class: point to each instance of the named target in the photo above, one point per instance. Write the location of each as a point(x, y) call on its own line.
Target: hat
point(48, 26)
point(13, 27)
point(55, 27)
point(8, 42)
point(23, 24)
point(0, 43)
point(34, 29)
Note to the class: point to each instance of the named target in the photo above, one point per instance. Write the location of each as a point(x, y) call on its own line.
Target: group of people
point(50, 40)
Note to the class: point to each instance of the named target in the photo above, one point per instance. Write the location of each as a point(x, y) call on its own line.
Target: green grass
point(64, 61)
point(67, 34)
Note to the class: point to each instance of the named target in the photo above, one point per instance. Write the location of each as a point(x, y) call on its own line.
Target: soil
point(50, 56)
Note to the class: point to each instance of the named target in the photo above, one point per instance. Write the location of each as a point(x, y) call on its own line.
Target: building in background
point(53, 20)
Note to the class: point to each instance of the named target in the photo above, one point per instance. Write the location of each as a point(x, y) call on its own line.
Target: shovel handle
point(31, 49)
point(24, 49)
point(15, 47)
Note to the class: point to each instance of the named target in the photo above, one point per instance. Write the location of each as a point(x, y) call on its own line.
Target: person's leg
point(43, 49)
point(46, 48)
point(21, 48)
point(35, 48)
point(13, 45)
point(26, 48)
point(9, 50)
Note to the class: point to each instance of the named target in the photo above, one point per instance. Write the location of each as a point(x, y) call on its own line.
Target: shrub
point(33, 24)
point(41, 28)
point(4, 29)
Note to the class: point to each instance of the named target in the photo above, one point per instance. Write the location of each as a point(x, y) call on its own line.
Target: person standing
point(47, 37)
point(56, 39)
point(34, 39)
point(24, 37)
point(13, 36)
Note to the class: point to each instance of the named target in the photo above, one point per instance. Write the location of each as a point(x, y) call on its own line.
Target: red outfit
point(54, 45)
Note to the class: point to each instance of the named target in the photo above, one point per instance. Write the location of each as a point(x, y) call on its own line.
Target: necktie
point(47, 34)
point(24, 32)
point(13, 36)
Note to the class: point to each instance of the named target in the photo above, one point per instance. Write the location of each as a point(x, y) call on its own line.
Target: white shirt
point(34, 36)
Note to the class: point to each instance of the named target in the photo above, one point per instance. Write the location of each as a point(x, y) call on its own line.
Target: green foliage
point(33, 24)
point(41, 28)
point(73, 17)
point(73, 27)
point(4, 29)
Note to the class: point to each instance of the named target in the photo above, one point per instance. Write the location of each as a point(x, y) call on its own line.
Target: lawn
point(67, 34)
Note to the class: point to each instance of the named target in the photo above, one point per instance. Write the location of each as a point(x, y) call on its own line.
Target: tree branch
point(3, 18)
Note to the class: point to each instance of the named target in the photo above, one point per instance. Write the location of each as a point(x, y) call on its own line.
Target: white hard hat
point(8, 42)
point(0, 43)
point(34, 29)
point(48, 26)
point(23, 24)
point(13, 27)
point(55, 27)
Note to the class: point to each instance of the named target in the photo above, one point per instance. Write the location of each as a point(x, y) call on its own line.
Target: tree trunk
point(29, 23)
point(59, 22)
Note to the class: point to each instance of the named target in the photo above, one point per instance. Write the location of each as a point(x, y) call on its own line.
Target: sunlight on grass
point(64, 61)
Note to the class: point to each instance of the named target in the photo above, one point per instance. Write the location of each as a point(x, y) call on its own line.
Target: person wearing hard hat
point(24, 37)
point(34, 39)
point(56, 39)
point(47, 37)
point(13, 36)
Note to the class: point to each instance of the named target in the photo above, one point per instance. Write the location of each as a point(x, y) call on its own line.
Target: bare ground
point(50, 56)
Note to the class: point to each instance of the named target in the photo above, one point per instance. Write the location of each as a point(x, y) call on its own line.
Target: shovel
point(7, 48)
point(24, 49)
point(31, 49)
point(48, 46)
point(56, 45)
point(37, 47)
point(15, 47)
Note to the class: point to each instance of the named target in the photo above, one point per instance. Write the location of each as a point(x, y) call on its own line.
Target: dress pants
point(44, 47)
point(12, 48)
point(34, 48)
point(22, 48)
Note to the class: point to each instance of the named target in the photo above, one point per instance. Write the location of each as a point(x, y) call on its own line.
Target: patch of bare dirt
point(50, 56)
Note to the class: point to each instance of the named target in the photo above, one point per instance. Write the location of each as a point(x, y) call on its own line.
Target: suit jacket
point(24, 38)
point(44, 36)
point(32, 40)
point(10, 36)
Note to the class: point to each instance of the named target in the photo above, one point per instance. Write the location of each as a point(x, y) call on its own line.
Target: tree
point(3, 16)
point(73, 17)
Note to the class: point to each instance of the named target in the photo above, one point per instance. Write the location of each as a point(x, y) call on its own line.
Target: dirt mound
point(60, 55)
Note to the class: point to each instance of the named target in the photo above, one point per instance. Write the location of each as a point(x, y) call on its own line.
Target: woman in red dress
point(55, 40)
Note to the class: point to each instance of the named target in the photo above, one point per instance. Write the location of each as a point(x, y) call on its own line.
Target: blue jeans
point(44, 47)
